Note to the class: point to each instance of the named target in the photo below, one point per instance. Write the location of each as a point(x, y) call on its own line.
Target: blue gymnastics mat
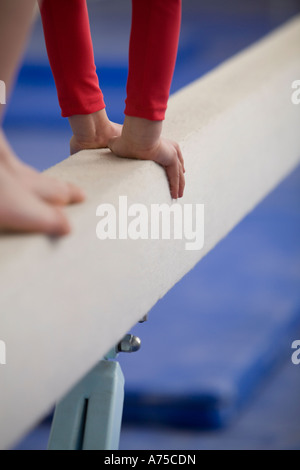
point(212, 342)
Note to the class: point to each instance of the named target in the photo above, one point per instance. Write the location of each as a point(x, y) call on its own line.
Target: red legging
point(152, 55)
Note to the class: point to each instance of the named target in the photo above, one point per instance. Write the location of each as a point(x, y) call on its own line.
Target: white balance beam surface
point(64, 303)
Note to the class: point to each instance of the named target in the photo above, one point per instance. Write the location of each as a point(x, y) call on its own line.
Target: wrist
point(89, 127)
point(142, 133)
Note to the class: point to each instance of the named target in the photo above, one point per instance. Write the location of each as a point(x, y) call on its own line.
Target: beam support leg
point(89, 417)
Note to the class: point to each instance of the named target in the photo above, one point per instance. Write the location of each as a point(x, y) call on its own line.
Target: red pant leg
point(152, 56)
point(70, 51)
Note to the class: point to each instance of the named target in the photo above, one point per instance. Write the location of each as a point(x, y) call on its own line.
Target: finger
point(29, 214)
point(77, 195)
point(55, 223)
point(181, 182)
point(180, 156)
point(113, 144)
point(119, 148)
point(173, 177)
point(56, 192)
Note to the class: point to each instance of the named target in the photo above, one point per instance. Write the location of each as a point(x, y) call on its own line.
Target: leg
point(23, 191)
point(15, 23)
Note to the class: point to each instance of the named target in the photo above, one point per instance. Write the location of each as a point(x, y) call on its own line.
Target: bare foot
point(47, 188)
point(22, 211)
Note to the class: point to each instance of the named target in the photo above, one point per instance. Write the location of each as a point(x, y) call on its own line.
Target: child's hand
point(142, 139)
point(92, 131)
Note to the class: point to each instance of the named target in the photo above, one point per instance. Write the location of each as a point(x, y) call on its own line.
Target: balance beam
point(65, 302)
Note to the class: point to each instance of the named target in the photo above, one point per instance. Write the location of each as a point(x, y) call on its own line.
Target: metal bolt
point(129, 344)
point(145, 318)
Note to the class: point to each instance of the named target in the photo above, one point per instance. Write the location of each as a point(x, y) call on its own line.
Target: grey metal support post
point(89, 417)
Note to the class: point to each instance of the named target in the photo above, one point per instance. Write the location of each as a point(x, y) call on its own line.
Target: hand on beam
point(141, 139)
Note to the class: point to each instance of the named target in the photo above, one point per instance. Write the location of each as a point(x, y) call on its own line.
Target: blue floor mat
point(217, 335)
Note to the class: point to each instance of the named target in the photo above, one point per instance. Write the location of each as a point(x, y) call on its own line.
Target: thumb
point(113, 144)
